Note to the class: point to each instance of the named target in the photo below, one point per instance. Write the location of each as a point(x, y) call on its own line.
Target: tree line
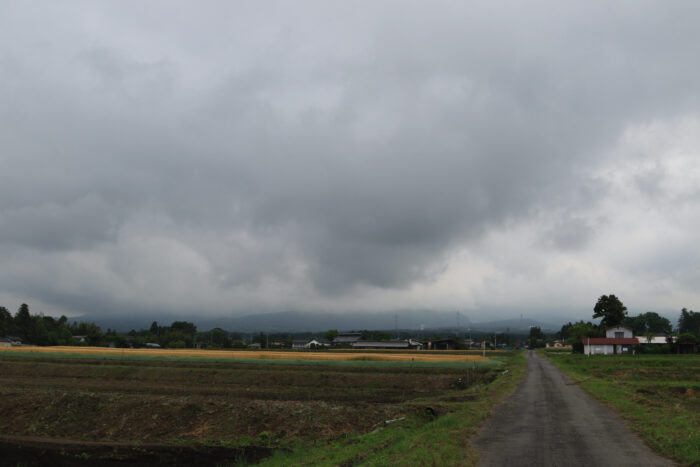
point(613, 313)
point(43, 330)
point(46, 330)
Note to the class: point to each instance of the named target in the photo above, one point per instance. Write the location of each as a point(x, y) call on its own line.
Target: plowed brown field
point(52, 402)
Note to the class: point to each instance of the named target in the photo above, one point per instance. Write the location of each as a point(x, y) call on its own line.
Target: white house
point(617, 340)
point(310, 343)
point(618, 332)
point(315, 342)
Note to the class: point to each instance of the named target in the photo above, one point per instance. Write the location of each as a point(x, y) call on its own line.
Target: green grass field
point(657, 395)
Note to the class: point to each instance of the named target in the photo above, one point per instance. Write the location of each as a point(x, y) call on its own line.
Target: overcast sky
point(225, 158)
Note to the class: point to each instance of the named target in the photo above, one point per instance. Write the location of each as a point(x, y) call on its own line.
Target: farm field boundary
point(657, 395)
point(278, 357)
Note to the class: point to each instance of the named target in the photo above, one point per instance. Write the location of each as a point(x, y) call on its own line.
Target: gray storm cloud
point(235, 157)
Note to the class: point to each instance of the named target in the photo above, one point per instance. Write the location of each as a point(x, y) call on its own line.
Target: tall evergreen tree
point(5, 321)
point(689, 322)
point(23, 323)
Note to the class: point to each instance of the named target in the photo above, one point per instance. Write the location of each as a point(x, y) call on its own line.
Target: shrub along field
point(658, 395)
point(334, 412)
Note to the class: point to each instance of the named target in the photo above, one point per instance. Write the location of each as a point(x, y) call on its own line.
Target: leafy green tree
point(91, 331)
point(689, 322)
point(238, 344)
point(331, 334)
point(115, 339)
point(154, 328)
point(376, 335)
point(36, 332)
point(261, 339)
point(537, 337)
point(220, 338)
point(611, 309)
point(574, 333)
point(649, 323)
point(185, 327)
point(171, 335)
point(60, 336)
point(217, 337)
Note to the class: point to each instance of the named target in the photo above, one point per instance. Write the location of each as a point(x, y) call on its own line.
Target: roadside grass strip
point(657, 395)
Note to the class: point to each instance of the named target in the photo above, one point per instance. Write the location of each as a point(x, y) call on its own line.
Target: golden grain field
point(431, 356)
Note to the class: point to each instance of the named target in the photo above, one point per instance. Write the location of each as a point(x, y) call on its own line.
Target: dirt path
point(549, 421)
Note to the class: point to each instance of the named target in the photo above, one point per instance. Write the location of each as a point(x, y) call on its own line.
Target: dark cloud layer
point(238, 157)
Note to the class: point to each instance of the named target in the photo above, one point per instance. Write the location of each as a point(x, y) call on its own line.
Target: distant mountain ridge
point(301, 321)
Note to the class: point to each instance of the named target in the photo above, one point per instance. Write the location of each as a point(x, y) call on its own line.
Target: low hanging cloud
point(220, 159)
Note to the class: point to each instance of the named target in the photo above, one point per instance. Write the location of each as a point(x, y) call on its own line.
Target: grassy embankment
point(322, 413)
point(656, 394)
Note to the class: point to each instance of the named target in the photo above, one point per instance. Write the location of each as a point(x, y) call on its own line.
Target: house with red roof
point(617, 340)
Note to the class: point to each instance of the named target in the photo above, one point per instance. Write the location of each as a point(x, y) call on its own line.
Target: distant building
point(617, 340)
point(316, 342)
point(280, 344)
point(13, 340)
point(442, 344)
point(347, 338)
point(661, 339)
point(394, 344)
point(310, 343)
point(472, 344)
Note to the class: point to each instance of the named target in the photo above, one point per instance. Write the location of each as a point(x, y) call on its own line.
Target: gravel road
point(549, 421)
